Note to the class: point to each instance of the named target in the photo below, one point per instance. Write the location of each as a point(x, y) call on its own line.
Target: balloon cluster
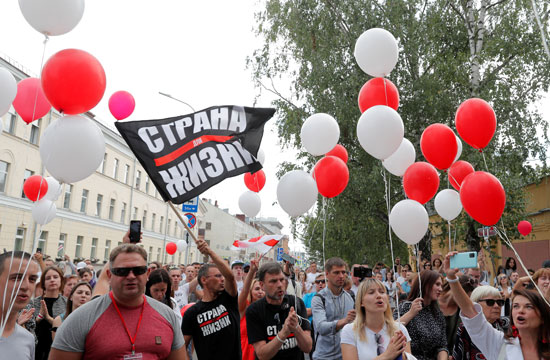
point(172, 247)
point(250, 202)
point(44, 192)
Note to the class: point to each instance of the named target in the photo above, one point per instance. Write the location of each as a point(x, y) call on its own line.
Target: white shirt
point(310, 280)
point(240, 285)
point(181, 295)
point(367, 350)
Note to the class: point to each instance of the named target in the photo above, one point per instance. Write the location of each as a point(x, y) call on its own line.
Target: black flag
point(186, 155)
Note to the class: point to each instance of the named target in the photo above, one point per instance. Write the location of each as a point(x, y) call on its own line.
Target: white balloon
point(44, 211)
point(400, 160)
point(250, 203)
point(54, 189)
point(52, 17)
point(320, 133)
point(8, 90)
point(459, 149)
point(261, 156)
point(376, 52)
point(380, 131)
point(71, 148)
point(296, 192)
point(181, 244)
point(447, 204)
point(409, 221)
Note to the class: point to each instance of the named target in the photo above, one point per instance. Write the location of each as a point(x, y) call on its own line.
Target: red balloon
point(171, 248)
point(331, 175)
point(73, 81)
point(476, 122)
point(438, 145)
point(378, 91)
point(340, 152)
point(483, 197)
point(30, 100)
point(524, 227)
point(255, 182)
point(184, 309)
point(421, 182)
point(35, 187)
point(458, 171)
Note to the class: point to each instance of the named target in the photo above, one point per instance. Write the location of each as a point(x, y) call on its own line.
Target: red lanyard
point(132, 341)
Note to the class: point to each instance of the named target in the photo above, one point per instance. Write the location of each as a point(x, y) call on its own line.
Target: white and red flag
point(261, 244)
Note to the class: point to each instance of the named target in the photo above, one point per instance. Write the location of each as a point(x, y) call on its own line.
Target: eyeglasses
point(491, 302)
point(379, 342)
point(320, 281)
point(219, 276)
point(124, 271)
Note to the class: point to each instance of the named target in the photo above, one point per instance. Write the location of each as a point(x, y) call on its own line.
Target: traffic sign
point(280, 254)
point(191, 220)
point(486, 231)
point(191, 205)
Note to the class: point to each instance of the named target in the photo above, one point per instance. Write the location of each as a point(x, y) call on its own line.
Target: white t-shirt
point(182, 295)
point(367, 350)
point(240, 285)
point(310, 280)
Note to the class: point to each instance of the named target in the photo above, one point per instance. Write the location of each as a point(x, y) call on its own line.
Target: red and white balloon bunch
point(250, 202)
point(44, 192)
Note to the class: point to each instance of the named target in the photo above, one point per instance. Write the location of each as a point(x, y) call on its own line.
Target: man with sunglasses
point(320, 284)
point(214, 322)
point(124, 323)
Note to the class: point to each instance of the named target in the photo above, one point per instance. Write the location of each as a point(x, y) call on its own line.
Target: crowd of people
point(135, 309)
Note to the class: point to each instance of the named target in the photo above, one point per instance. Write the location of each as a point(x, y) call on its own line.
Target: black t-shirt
point(264, 321)
point(215, 328)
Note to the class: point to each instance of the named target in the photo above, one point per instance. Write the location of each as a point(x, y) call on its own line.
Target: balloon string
point(387, 189)
point(449, 224)
point(324, 226)
point(418, 267)
point(457, 183)
point(46, 38)
point(385, 91)
point(486, 167)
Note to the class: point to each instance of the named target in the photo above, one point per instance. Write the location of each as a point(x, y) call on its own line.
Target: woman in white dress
point(374, 334)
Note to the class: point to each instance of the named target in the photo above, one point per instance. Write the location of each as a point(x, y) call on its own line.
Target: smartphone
point(362, 272)
point(464, 260)
point(288, 258)
point(135, 231)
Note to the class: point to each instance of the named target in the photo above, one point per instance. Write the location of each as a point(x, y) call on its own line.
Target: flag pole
point(184, 222)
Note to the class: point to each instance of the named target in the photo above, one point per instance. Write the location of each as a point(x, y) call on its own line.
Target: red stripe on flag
point(190, 145)
point(254, 239)
point(271, 242)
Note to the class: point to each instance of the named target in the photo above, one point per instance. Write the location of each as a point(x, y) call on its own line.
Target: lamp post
point(173, 98)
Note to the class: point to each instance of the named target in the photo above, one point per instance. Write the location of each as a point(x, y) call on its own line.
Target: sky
point(193, 50)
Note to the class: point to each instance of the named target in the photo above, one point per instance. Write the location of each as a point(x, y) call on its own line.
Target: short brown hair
point(43, 278)
point(335, 261)
point(127, 249)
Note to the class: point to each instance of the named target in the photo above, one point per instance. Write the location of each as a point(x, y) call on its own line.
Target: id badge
point(136, 356)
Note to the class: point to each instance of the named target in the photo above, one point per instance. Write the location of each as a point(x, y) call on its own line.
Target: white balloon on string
point(296, 192)
point(54, 189)
point(250, 203)
point(181, 244)
point(44, 211)
point(380, 131)
point(319, 134)
point(447, 204)
point(400, 160)
point(52, 17)
point(8, 90)
point(459, 148)
point(409, 221)
point(376, 52)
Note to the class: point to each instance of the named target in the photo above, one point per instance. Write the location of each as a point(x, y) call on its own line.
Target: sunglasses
point(320, 281)
point(491, 302)
point(379, 344)
point(124, 271)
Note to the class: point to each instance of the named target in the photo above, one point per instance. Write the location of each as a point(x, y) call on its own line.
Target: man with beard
point(277, 324)
point(213, 323)
point(16, 342)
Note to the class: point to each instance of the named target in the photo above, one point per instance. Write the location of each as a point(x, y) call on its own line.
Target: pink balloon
point(121, 104)
point(30, 91)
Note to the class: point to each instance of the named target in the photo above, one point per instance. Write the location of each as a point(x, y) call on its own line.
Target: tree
point(449, 51)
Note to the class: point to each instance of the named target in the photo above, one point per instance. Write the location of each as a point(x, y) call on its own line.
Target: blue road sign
point(191, 220)
point(191, 205)
point(280, 254)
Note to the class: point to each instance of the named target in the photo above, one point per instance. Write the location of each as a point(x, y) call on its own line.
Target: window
point(84, 201)
point(42, 241)
point(4, 168)
point(208, 226)
point(19, 239)
point(35, 132)
point(12, 122)
point(107, 250)
point(134, 216)
point(102, 165)
point(144, 219)
point(153, 220)
point(126, 173)
point(67, 199)
point(161, 224)
point(93, 253)
point(98, 205)
point(61, 245)
point(79, 241)
point(123, 213)
point(115, 169)
point(138, 179)
point(150, 256)
point(28, 174)
point(168, 227)
point(112, 209)
point(175, 227)
point(158, 254)
point(146, 184)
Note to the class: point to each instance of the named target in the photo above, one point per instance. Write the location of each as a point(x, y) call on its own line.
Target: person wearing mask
point(332, 309)
point(252, 291)
point(159, 286)
point(529, 334)
point(79, 295)
point(423, 318)
point(374, 334)
point(491, 303)
point(320, 284)
point(15, 341)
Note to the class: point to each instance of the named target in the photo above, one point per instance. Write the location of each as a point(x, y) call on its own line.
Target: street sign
point(191, 220)
point(486, 231)
point(280, 254)
point(191, 205)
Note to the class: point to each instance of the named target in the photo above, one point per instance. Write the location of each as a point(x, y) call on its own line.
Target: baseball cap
point(80, 265)
point(237, 262)
point(546, 264)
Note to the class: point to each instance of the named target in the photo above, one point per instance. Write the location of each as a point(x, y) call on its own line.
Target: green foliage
point(310, 43)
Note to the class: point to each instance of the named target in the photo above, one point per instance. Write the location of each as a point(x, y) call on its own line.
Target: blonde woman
point(374, 334)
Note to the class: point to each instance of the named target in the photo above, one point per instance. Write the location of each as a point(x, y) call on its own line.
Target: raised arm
point(230, 283)
point(246, 286)
point(461, 298)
